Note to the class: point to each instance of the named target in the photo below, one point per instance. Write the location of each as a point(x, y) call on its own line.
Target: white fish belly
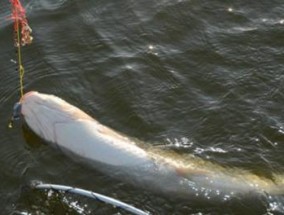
point(84, 139)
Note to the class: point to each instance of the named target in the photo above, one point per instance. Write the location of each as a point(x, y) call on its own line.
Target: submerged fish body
point(71, 129)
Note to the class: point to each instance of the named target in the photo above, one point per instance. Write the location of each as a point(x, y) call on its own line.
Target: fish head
point(43, 112)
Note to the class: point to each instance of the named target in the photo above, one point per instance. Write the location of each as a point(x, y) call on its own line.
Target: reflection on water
point(203, 78)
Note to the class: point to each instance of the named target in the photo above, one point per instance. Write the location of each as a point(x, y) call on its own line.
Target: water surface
point(200, 77)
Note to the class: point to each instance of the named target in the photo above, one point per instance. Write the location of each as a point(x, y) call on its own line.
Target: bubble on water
point(49, 193)
point(230, 9)
point(273, 206)
point(226, 197)
point(129, 67)
point(75, 206)
point(13, 61)
point(218, 192)
point(219, 150)
point(186, 142)
point(256, 139)
point(177, 143)
point(22, 213)
point(281, 21)
point(281, 130)
point(181, 143)
point(198, 150)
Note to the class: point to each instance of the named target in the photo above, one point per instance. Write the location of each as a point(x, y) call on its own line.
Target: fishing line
point(90, 194)
point(20, 65)
point(22, 37)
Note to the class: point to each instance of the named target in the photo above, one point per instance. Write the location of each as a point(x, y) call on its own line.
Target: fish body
point(72, 130)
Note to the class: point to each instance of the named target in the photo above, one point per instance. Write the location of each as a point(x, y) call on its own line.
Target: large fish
point(74, 131)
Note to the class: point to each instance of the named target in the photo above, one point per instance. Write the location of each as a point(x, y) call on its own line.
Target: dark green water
point(208, 73)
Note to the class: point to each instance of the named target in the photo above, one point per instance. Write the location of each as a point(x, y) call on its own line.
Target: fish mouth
point(17, 109)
